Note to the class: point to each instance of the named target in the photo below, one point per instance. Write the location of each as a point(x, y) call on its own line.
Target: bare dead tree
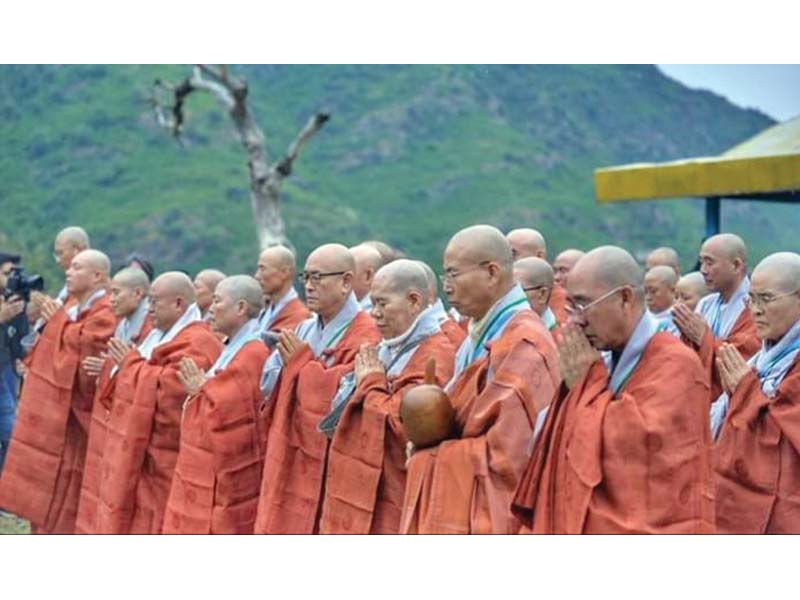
point(265, 177)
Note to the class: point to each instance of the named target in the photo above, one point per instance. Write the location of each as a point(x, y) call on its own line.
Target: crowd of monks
point(592, 395)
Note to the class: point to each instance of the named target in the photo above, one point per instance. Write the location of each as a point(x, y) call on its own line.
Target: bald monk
point(368, 261)
point(721, 316)
point(128, 299)
point(690, 289)
point(276, 272)
point(506, 371)
point(625, 445)
point(454, 332)
point(218, 472)
point(143, 432)
point(299, 384)
point(42, 475)
point(205, 282)
point(757, 457)
point(527, 243)
point(561, 268)
point(388, 254)
point(659, 295)
point(535, 276)
point(366, 475)
point(664, 256)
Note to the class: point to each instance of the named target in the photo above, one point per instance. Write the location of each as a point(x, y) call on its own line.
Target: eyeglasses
point(536, 287)
point(579, 310)
point(763, 300)
point(315, 277)
point(450, 276)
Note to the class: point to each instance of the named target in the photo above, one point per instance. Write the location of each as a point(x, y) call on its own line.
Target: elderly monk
point(205, 282)
point(720, 316)
point(368, 261)
point(366, 475)
point(143, 432)
point(454, 332)
point(276, 272)
point(664, 256)
point(388, 254)
point(299, 384)
point(42, 476)
point(690, 289)
point(625, 446)
point(561, 268)
point(506, 371)
point(659, 295)
point(128, 299)
point(218, 474)
point(526, 243)
point(535, 276)
point(757, 458)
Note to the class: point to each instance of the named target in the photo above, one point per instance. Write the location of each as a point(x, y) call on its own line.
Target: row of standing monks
point(542, 407)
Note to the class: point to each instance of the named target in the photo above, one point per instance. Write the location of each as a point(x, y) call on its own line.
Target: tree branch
point(218, 90)
point(314, 124)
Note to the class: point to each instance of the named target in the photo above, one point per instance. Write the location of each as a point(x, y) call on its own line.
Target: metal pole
point(712, 216)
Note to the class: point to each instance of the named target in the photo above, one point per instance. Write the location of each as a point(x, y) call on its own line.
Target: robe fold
point(291, 315)
point(44, 466)
point(217, 477)
point(558, 304)
point(465, 485)
point(454, 332)
point(637, 462)
point(143, 431)
point(757, 459)
point(366, 476)
point(101, 412)
point(296, 453)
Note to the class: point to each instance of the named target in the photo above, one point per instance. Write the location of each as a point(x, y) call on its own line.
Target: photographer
point(13, 326)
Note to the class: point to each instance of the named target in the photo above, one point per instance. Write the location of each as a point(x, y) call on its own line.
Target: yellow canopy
point(767, 164)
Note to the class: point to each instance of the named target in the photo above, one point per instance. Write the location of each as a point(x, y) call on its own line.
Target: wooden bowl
point(427, 415)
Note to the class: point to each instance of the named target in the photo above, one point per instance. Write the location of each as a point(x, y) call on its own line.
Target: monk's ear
point(628, 294)
point(494, 270)
point(347, 279)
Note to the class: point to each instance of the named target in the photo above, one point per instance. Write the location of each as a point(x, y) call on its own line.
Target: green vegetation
point(411, 154)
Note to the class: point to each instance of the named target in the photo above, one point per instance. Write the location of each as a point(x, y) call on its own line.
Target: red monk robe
point(466, 485)
point(291, 487)
point(757, 459)
point(101, 413)
point(221, 457)
point(637, 463)
point(291, 315)
point(743, 337)
point(454, 332)
point(366, 476)
point(558, 304)
point(143, 432)
point(42, 475)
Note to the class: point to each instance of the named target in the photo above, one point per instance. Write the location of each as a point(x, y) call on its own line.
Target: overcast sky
point(773, 89)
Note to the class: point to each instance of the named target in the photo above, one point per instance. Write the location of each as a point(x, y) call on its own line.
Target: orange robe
point(101, 412)
point(635, 463)
point(465, 485)
point(291, 315)
point(143, 432)
point(757, 459)
point(558, 304)
point(44, 466)
point(454, 332)
point(291, 486)
point(218, 474)
point(743, 336)
point(366, 476)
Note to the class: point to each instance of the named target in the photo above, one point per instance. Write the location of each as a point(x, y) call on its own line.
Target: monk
point(42, 476)
point(220, 459)
point(535, 276)
point(205, 282)
point(527, 243)
point(506, 371)
point(143, 432)
point(625, 446)
point(388, 254)
point(299, 384)
point(454, 332)
point(757, 457)
point(561, 268)
point(368, 261)
point(276, 272)
point(659, 295)
point(128, 300)
point(690, 289)
point(366, 475)
point(664, 256)
point(720, 316)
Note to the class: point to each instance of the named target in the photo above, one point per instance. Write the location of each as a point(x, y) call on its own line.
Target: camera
point(19, 283)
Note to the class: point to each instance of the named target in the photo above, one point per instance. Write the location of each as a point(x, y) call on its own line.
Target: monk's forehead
point(771, 279)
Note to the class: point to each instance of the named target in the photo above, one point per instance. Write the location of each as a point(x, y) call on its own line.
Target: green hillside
point(411, 154)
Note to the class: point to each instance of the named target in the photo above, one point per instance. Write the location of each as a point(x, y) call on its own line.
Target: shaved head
point(368, 261)
point(783, 270)
point(723, 263)
point(433, 282)
point(484, 243)
point(131, 277)
point(659, 288)
point(334, 257)
point(211, 277)
point(87, 273)
point(662, 274)
point(563, 264)
point(336, 265)
point(67, 244)
point(75, 236)
point(664, 256)
point(727, 244)
point(775, 295)
point(128, 288)
point(399, 295)
point(388, 254)
point(175, 283)
point(527, 243)
point(690, 288)
point(96, 260)
point(205, 282)
point(242, 287)
point(279, 256)
point(170, 295)
point(403, 275)
point(276, 271)
point(610, 267)
point(535, 275)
